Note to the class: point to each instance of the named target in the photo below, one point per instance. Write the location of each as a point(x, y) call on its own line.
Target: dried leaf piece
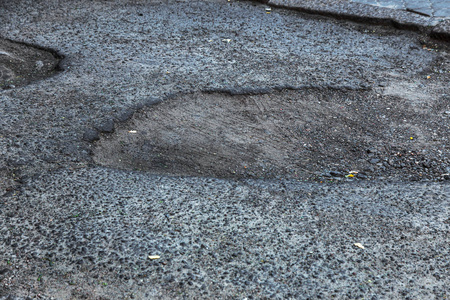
point(359, 245)
point(154, 256)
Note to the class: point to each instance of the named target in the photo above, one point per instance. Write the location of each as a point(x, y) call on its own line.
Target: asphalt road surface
point(217, 149)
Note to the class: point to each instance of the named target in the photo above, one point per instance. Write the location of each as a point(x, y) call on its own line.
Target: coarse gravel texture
point(92, 230)
point(71, 229)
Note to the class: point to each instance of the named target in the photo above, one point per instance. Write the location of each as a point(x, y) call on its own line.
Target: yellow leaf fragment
point(154, 256)
point(359, 245)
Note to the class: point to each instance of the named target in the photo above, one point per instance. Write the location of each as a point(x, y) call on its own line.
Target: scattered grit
point(219, 141)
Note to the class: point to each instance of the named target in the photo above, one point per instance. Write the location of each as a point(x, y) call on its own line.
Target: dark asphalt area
point(98, 116)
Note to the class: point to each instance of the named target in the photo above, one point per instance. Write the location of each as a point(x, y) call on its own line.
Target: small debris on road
point(359, 245)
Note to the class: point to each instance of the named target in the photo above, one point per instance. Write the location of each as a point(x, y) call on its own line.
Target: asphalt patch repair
point(311, 134)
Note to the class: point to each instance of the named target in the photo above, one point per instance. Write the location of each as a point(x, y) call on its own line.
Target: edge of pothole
point(435, 28)
point(13, 179)
point(107, 123)
point(110, 127)
point(57, 55)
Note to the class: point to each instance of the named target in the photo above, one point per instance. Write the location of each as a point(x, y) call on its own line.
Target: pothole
point(21, 64)
point(307, 134)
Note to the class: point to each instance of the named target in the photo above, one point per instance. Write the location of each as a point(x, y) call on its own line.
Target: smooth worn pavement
point(433, 8)
point(429, 16)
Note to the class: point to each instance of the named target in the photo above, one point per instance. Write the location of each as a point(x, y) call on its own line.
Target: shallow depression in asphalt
point(296, 134)
point(21, 64)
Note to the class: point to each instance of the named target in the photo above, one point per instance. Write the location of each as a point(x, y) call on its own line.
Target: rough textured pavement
point(224, 239)
point(71, 230)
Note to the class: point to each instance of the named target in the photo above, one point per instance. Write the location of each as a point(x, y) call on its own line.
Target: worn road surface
point(217, 149)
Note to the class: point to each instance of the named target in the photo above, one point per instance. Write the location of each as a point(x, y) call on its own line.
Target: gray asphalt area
point(77, 222)
point(225, 239)
point(432, 8)
point(430, 16)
